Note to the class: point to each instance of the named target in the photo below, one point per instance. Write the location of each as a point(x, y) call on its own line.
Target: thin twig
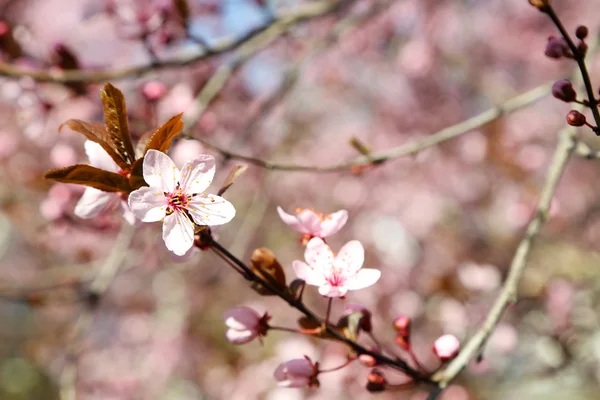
point(518, 102)
point(283, 22)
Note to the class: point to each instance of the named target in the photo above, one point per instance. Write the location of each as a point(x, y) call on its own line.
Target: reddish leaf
point(265, 265)
point(90, 176)
point(136, 179)
point(96, 133)
point(161, 139)
point(115, 118)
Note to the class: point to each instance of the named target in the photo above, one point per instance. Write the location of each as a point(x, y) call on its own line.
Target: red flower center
point(177, 201)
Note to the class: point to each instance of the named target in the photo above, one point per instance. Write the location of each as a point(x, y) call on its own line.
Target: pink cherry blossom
point(244, 325)
point(297, 373)
point(446, 347)
point(314, 224)
point(178, 198)
point(335, 275)
point(93, 201)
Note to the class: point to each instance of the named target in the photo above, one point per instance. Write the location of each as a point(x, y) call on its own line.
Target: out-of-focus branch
point(97, 288)
point(280, 23)
point(451, 132)
point(567, 143)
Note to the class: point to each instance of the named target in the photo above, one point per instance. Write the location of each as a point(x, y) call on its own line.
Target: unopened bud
point(563, 90)
point(402, 325)
point(367, 360)
point(575, 118)
point(557, 47)
point(154, 90)
point(446, 347)
point(376, 381)
point(365, 318)
point(540, 4)
point(403, 341)
point(581, 32)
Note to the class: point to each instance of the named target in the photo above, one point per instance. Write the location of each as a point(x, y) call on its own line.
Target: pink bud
point(300, 372)
point(402, 325)
point(244, 325)
point(154, 90)
point(446, 347)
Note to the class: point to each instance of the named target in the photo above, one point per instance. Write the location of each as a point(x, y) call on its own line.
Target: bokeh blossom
point(297, 373)
point(244, 325)
point(335, 275)
point(178, 197)
point(94, 201)
point(314, 224)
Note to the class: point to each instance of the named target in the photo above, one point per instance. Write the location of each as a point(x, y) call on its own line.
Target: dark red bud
point(575, 118)
point(367, 360)
point(540, 4)
point(402, 325)
point(581, 32)
point(376, 381)
point(403, 341)
point(557, 48)
point(563, 90)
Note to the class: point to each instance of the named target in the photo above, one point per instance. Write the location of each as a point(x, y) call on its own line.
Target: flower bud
point(557, 47)
point(563, 90)
point(376, 381)
point(575, 118)
point(244, 325)
point(581, 32)
point(154, 91)
point(446, 347)
point(403, 341)
point(297, 373)
point(402, 326)
point(367, 360)
point(540, 4)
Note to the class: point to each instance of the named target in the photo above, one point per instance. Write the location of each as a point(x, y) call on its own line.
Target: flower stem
point(348, 362)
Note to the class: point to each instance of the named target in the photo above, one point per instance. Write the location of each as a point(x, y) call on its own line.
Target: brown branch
point(566, 146)
point(451, 132)
point(283, 22)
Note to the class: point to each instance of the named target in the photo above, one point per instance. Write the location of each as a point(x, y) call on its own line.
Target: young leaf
point(96, 133)
point(161, 139)
point(234, 174)
point(183, 9)
point(90, 176)
point(265, 265)
point(136, 178)
point(115, 118)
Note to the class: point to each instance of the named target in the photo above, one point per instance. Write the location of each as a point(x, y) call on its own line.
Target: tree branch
point(281, 23)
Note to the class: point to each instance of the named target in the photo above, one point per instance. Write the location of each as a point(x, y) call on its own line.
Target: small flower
point(94, 201)
point(446, 347)
point(244, 325)
point(178, 198)
point(335, 275)
point(314, 224)
point(297, 373)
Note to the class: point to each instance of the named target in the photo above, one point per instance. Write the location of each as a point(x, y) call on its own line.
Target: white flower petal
point(333, 223)
point(128, 216)
point(363, 278)
point(291, 221)
point(196, 175)
point(307, 274)
point(99, 158)
point(210, 210)
point(178, 233)
point(160, 171)
point(93, 202)
point(319, 256)
point(239, 337)
point(310, 220)
point(332, 291)
point(148, 204)
point(350, 258)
